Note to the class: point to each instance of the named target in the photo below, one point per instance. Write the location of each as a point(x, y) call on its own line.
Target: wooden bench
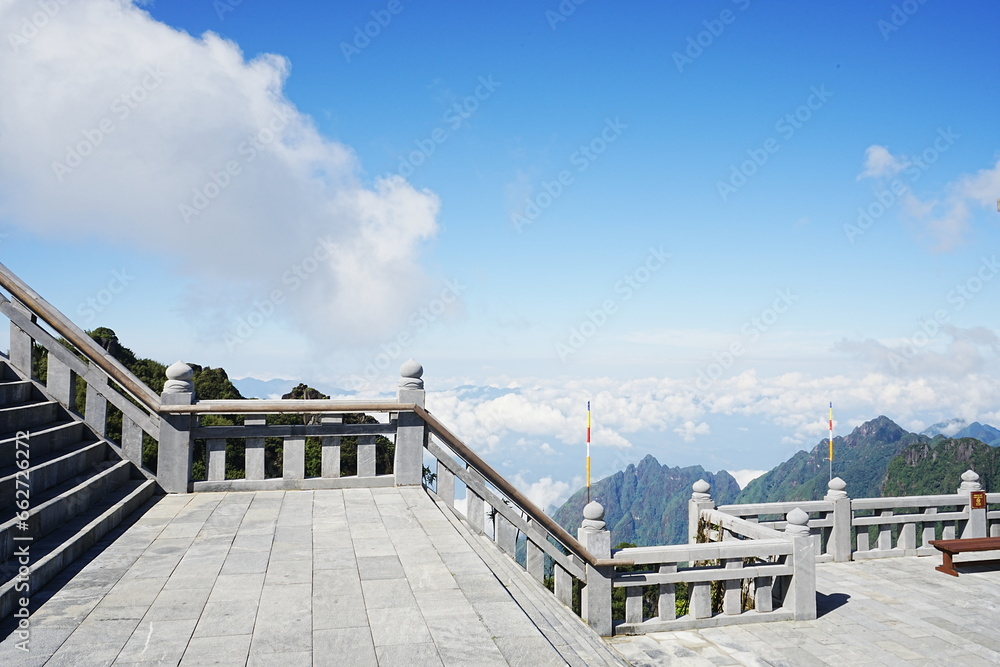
point(949, 548)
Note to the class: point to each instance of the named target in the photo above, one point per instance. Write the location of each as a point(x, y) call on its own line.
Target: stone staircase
point(62, 488)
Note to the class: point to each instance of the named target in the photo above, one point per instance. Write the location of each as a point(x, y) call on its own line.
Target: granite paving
point(892, 611)
point(338, 577)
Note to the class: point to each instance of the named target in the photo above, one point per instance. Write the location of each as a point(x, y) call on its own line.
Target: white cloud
point(121, 128)
point(661, 413)
point(946, 221)
point(958, 353)
point(744, 477)
point(688, 430)
point(546, 492)
point(880, 163)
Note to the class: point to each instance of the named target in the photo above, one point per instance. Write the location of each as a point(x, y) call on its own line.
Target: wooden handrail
point(84, 343)
point(505, 487)
point(298, 406)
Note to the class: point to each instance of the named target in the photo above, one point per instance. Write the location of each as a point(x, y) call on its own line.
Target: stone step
point(48, 511)
point(43, 443)
point(8, 374)
point(17, 393)
point(23, 418)
point(45, 472)
point(51, 554)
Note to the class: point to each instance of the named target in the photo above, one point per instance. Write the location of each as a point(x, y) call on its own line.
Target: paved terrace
point(340, 577)
point(895, 611)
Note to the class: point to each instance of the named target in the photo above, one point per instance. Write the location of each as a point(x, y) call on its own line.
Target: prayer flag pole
point(831, 440)
point(588, 452)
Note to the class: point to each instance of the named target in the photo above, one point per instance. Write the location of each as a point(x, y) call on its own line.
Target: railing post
point(976, 526)
point(700, 500)
point(839, 544)
point(595, 603)
point(173, 461)
point(803, 589)
point(411, 432)
point(20, 342)
point(60, 382)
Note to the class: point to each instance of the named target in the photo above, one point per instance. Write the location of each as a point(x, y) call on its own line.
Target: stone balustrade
point(843, 528)
point(760, 573)
point(75, 358)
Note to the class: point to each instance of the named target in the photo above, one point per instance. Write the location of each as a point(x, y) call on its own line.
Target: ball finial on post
point(179, 379)
point(836, 488)
point(701, 490)
point(797, 522)
point(970, 482)
point(593, 516)
point(410, 374)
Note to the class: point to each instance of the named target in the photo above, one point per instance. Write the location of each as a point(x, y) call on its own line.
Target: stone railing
point(843, 528)
point(494, 508)
point(76, 358)
point(760, 574)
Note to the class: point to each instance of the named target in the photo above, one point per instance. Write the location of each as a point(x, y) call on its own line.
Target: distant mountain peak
point(948, 427)
point(881, 429)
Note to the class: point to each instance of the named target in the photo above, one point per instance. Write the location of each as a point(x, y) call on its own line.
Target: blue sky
point(694, 263)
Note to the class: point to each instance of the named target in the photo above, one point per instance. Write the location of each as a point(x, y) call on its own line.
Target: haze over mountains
point(646, 504)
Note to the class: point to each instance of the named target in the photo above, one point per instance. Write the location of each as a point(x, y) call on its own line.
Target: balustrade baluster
point(885, 533)
point(762, 597)
point(96, 410)
point(132, 441)
point(667, 603)
point(294, 459)
point(60, 382)
point(506, 535)
point(445, 484)
point(907, 536)
point(563, 585)
point(732, 602)
point(20, 342)
point(534, 556)
point(633, 604)
point(366, 459)
point(700, 599)
point(330, 449)
point(475, 506)
point(254, 452)
point(929, 525)
point(216, 459)
point(949, 530)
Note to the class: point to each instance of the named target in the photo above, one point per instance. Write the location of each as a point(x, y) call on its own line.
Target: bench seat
point(949, 548)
